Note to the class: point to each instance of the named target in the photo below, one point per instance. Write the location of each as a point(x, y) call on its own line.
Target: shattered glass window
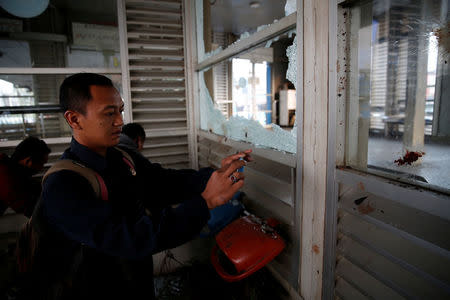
point(224, 22)
point(398, 100)
point(251, 97)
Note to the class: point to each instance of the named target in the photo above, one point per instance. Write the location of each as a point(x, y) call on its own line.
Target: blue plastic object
point(223, 215)
point(241, 169)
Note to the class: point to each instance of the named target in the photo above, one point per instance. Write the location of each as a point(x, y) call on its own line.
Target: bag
point(32, 231)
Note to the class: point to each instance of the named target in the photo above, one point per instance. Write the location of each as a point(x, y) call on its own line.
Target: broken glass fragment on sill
point(291, 53)
point(290, 7)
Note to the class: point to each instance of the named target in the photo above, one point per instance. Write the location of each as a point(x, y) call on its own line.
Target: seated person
point(18, 189)
point(132, 137)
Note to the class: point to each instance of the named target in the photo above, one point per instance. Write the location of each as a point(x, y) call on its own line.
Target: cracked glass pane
point(249, 98)
point(398, 99)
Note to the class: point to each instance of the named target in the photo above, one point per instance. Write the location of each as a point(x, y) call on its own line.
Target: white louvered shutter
point(157, 85)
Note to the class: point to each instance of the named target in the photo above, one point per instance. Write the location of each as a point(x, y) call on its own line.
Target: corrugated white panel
point(156, 64)
point(269, 193)
point(386, 250)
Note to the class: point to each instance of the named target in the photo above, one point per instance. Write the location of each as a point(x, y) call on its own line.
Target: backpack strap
point(95, 180)
point(128, 160)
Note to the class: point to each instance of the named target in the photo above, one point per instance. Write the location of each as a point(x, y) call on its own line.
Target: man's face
point(101, 125)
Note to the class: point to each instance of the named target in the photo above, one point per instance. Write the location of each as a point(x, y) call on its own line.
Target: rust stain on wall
point(365, 209)
point(361, 186)
point(316, 249)
point(443, 36)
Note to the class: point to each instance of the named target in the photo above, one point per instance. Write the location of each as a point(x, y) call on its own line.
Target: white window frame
point(382, 184)
point(193, 66)
point(122, 70)
point(312, 81)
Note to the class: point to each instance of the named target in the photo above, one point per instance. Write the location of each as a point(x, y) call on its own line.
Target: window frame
point(416, 195)
point(122, 70)
point(347, 149)
point(194, 67)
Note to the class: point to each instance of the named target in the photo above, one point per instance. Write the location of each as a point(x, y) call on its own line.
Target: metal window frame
point(123, 71)
point(253, 40)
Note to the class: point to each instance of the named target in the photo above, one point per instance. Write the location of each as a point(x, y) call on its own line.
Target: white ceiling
point(237, 16)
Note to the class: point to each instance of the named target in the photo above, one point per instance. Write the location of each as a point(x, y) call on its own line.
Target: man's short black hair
point(133, 131)
point(31, 147)
point(74, 92)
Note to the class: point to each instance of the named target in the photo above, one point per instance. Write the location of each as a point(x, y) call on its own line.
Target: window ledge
point(281, 157)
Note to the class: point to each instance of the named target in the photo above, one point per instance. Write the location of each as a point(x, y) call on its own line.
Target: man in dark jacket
point(132, 137)
point(102, 249)
point(18, 189)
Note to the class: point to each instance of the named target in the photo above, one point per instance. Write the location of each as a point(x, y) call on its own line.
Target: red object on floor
point(249, 243)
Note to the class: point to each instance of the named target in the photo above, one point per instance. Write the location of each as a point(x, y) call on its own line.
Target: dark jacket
point(125, 142)
point(18, 189)
point(116, 237)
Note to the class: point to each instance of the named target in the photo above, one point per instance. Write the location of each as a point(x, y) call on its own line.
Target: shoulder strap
point(95, 180)
point(128, 160)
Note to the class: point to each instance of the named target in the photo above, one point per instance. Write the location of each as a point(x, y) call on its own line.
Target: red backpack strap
point(128, 160)
point(95, 180)
point(103, 188)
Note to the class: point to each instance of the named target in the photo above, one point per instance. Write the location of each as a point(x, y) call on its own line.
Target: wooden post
point(315, 130)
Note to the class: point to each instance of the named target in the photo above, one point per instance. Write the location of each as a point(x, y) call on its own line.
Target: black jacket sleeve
point(173, 185)
point(71, 207)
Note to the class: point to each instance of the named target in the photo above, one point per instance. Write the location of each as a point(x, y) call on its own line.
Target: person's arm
point(70, 206)
point(187, 181)
point(176, 184)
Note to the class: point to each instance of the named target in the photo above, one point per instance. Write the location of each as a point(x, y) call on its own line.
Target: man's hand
point(229, 159)
point(224, 183)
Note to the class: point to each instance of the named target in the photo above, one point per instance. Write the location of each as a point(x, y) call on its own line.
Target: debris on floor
point(200, 281)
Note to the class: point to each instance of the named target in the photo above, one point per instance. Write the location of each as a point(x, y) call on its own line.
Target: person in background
point(18, 189)
point(132, 137)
